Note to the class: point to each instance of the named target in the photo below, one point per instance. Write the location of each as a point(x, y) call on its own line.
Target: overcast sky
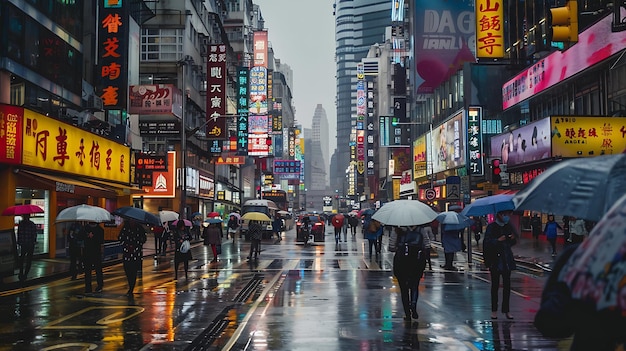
point(302, 34)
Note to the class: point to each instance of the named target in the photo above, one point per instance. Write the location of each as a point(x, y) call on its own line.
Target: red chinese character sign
point(11, 134)
point(112, 69)
point(216, 93)
point(489, 29)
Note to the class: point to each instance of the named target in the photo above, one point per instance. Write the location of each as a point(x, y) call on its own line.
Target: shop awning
point(62, 180)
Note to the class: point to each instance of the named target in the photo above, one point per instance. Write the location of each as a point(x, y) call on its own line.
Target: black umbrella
point(137, 214)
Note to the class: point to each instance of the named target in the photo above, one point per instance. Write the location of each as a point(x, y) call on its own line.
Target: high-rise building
point(321, 136)
point(358, 25)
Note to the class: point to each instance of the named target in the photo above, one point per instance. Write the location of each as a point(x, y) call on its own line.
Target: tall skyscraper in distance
point(358, 25)
point(321, 135)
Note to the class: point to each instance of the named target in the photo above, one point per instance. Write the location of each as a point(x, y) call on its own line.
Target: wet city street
point(321, 297)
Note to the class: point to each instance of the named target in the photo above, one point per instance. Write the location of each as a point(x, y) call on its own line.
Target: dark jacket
point(93, 237)
point(132, 238)
point(498, 254)
point(409, 260)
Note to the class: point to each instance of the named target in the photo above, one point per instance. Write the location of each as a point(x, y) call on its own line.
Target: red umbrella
point(213, 214)
point(19, 210)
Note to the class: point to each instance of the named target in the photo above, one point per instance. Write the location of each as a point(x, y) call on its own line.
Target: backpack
point(411, 245)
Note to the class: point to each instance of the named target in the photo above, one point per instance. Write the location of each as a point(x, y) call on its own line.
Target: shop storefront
point(49, 163)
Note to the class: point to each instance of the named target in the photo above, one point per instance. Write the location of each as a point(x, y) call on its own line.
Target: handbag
point(185, 246)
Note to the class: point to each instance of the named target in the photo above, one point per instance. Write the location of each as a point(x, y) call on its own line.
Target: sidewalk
point(536, 256)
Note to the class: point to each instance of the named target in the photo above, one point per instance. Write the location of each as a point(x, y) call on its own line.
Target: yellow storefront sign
point(574, 136)
point(54, 145)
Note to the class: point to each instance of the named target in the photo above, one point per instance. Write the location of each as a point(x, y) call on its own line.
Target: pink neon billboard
point(594, 45)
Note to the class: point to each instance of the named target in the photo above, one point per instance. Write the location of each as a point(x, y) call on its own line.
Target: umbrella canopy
point(337, 219)
point(19, 210)
point(582, 187)
point(213, 220)
point(83, 213)
point(489, 205)
point(168, 216)
point(187, 222)
point(595, 272)
point(234, 214)
point(137, 214)
point(196, 214)
point(405, 213)
point(256, 216)
point(283, 212)
point(213, 214)
point(366, 212)
point(453, 220)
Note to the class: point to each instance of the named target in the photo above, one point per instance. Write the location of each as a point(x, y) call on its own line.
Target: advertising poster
point(526, 144)
point(448, 145)
point(575, 136)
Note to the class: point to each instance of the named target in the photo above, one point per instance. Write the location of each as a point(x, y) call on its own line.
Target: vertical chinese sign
point(112, 66)
point(216, 93)
point(242, 110)
point(11, 134)
point(475, 140)
point(489, 29)
point(361, 110)
point(260, 49)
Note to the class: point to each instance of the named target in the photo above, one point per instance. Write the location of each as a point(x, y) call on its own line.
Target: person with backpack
point(373, 231)
point(233, 226)
point(500, 236)
point(409, 263)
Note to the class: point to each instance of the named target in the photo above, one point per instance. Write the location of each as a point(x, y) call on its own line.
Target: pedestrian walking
point(337, 222)
point(373, 231)
point(132, 236)
point(182, 234)
point(27, 239)
point(409, 262)
point(577, 230)
point(353, 221)
point(75, 246)
point(535, 224)
point(233, 227)
point(93, 237)
point(212, 236)
point(550, 230)
point(277, 226)
point(344, 228)
point(500, 236)
point(427, 231)
point(256, 231)
point(451, 241)
point(477, 228)
point(166, 236)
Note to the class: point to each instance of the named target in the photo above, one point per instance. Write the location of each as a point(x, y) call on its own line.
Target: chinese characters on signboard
point(112, 53)
point(53, 145)
point(216, 93)
point(242, 110)
point(11, 134)
point(161, 99)
point(475, 140)
point(576, 136)
point(260, 48)
point(489, 29)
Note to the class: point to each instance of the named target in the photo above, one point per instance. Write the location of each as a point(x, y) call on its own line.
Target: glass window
point(161, 45)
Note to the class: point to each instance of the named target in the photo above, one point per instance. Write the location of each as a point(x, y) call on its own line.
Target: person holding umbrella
point(337, 222)
point(75, 245)
point(26, 238)
point(500, 236)
point(181, 233)
point(409, 263)
point(93, 237)
point(256, 231)
point(132, 236)
point(212, 236)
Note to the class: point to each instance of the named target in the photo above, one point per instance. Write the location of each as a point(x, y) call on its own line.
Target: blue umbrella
point(214, 220)
point(137, 214)
point(489, 205)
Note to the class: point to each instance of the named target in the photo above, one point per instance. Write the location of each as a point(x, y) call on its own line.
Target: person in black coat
point(93, 236)
point(500, 236)
point(409, 263)
point(75, 245)
point(132, 236)
point(181, 233)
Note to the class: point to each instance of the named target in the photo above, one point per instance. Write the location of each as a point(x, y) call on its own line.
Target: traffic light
point(495, 171)
point(564, 23)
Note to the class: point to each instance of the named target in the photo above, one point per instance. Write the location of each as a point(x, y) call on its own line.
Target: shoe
point(414, 313)
point(87, 291)
point(494, 315)
point(407, 318)
point(509, 316)
point(99, 289)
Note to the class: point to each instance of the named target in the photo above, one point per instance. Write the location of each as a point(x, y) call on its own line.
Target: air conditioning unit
point(94, 103)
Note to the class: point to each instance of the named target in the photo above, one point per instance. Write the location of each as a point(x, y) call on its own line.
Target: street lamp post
point(188, 60)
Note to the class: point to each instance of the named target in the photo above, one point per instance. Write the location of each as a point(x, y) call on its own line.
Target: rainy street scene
point(328, 175)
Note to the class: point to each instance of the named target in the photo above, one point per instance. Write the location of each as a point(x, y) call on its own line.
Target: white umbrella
point(83, 213)
point(582, 187)
point(168, 216)
point(283, 212)
point(404, 213)
point(453, 220)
